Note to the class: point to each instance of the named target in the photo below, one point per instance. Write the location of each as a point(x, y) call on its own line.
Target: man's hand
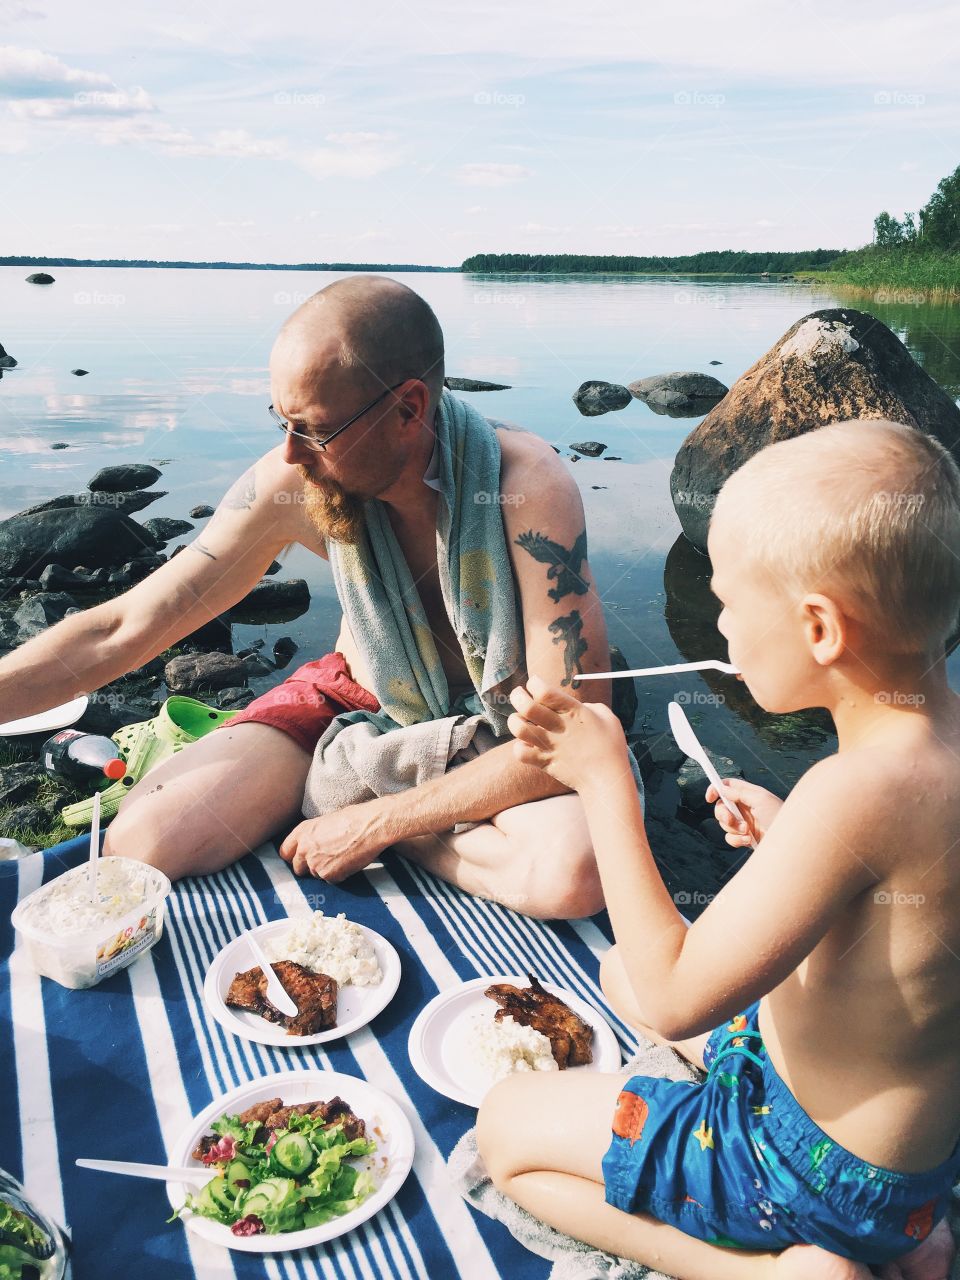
point(575, 742)
point(336, 845)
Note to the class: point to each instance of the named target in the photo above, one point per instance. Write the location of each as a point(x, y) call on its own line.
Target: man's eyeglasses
point(312, 442)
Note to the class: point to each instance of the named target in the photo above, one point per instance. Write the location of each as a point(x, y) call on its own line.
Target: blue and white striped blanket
point(118, 1070)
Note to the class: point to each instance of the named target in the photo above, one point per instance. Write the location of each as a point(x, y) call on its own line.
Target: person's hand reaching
point(575, 742)
point(758, 806)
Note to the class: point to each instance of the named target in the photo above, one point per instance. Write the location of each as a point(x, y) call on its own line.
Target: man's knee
point(564, 881)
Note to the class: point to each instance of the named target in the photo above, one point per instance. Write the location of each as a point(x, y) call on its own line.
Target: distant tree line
point(20, 260)
point(714, 261)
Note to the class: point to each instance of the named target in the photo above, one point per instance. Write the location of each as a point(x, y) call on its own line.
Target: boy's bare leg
point(213, 801)
point(543, 1139)
point(616, 987)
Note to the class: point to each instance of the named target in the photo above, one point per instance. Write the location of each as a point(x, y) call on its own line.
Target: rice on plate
point(505, 1047)
point(332, 945)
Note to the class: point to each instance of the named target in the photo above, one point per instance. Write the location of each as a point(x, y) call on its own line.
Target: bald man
point(358, 367)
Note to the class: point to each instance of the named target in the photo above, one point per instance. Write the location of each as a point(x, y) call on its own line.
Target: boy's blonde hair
point(868, 511)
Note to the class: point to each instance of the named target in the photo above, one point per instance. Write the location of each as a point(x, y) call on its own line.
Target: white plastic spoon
point(689, 744)
point(710, 664)
point(275, 992)
point(94, 848)
point(161, 1172)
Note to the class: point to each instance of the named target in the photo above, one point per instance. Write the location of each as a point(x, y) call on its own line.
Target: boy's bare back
point(865, 1030)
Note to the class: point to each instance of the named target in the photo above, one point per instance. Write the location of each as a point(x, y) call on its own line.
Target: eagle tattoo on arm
point(564, 565)
point(568, 631)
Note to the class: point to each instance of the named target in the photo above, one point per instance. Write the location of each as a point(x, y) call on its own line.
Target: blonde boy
point(821, 988)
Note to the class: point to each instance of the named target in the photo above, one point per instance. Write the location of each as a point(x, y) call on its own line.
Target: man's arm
point(89, 649)
point(565, 635)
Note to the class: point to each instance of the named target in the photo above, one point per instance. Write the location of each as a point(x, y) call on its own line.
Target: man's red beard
point(334, 513)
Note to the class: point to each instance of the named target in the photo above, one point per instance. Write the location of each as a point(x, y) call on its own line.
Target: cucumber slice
point(293, 1154)
point(266, 1196)
point(238, 1171)
point(222, 1194)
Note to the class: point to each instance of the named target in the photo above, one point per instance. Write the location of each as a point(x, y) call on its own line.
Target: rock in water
point(134, 475)
point(679, 395)
point(198, 513)
point(193, 672)
point(6, 361)
point(164, 528)
point(830, 366)
point(589, 448)
point(473, 384)
point(40, 277)
point(293, 593)
point(126, 502)
point(91, 536)
point(595, 398)
point(80, 373)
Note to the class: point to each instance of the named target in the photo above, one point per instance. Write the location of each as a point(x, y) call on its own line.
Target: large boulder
point(290, 597)
point(595, 397)
point(679, 395)
point(94, 537)
point(6, 361)
point(126, 502)
point(830, 366)
point(131, 475)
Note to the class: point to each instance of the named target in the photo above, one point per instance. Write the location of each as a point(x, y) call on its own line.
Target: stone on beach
point(42, 611)
point(92, 536)
point(595, 397)
point(132, 475)
point(267, 594)
point(6, 361)
point(679, 395)
point(200, 512)
point(589, 448)
point(831, 365)
point(195, 672)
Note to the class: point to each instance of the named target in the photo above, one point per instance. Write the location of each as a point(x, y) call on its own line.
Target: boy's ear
point(826, 627)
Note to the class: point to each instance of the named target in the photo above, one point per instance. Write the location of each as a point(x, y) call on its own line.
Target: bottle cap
point(115, 769)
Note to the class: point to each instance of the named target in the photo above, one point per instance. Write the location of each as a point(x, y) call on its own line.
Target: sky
point(421, 131)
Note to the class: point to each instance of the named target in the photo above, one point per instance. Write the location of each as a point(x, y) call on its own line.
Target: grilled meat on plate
point(314, 994)
point(273, 1114)
point(570, 1037)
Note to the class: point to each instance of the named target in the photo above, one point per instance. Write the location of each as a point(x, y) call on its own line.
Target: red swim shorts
point(308, 700)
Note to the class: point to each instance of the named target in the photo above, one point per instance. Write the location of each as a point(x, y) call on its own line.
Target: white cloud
point(357, 139)
point(334, 162)
point(492, 175)
point(538, 228)
point(31, 73)
point(86, 102)
point(474, 209)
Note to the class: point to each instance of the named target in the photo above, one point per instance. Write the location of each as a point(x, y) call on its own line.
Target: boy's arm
point(760, 926)
point(763, 922)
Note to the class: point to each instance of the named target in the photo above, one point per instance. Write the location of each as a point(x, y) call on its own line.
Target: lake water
point(178, 376)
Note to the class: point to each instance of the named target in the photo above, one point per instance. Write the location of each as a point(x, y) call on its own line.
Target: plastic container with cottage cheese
point(78, 942)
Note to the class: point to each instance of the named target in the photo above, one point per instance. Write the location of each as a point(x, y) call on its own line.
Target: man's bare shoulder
point(531, 470)
point(277, 488)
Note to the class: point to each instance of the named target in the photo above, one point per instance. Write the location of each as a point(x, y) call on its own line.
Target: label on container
point(120, 948)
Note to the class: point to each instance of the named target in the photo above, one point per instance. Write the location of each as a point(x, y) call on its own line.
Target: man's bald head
point(373, 325)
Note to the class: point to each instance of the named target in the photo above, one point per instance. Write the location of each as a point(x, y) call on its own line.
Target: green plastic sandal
point(143, 746)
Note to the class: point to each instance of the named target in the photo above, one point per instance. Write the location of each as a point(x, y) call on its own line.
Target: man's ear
point(826, 627)
point(414, 401)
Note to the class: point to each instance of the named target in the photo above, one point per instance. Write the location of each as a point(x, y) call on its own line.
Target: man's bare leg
point(536, 858)
point(213, 801)
point(543, 1141)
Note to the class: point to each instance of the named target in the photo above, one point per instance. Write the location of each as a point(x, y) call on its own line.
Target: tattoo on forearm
point(564, 565)
point(568, 631)
point(198, 546)
point(242, 494)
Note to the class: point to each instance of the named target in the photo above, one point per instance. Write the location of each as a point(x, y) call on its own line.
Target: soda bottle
point(83, 758)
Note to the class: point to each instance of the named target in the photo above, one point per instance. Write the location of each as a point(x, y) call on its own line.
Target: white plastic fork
point(710, 664)
point(275, 992)
point(159, 1172)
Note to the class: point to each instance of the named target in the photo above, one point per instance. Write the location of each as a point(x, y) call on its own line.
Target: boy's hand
point(758, 806)
point(573, 741)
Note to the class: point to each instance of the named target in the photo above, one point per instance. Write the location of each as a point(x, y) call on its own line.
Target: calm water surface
point(178, 376)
